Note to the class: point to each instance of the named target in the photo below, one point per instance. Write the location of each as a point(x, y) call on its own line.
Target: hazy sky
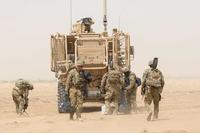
point(168, 29)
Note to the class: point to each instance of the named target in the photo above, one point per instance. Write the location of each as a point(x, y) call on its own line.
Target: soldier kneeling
point(20, 95)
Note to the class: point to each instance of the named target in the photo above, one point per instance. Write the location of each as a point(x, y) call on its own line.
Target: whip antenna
point(105, 15)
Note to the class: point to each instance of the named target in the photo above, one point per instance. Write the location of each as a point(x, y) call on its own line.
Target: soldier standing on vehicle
point(114, 84)
point(130, 87)
point(20, 95)
point(152, 86)
point(75, 83)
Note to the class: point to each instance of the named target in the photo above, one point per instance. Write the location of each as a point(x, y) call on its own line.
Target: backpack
point(138, 81)
point(154, 78)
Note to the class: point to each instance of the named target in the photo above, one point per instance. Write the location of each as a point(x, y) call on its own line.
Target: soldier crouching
point(20, 95)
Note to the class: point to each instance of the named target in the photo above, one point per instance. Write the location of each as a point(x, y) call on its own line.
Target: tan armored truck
point(99, 51)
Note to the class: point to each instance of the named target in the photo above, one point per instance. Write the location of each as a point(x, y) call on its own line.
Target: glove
point(127, 90)
point(142, 91)
point(160, 90)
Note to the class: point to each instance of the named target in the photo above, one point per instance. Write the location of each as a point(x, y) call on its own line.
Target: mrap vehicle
point(99, 51)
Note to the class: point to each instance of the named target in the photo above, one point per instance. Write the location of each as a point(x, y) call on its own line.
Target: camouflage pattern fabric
point(152, 94)
point(131, 90)
point(74, 86)
point(152, 86)
point(104, 87)
point(20, 95)
point(113, 91)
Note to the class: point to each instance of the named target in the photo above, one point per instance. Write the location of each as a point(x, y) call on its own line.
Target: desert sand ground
point(179, 112)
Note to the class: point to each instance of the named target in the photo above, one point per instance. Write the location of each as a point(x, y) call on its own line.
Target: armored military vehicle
point(99, 51)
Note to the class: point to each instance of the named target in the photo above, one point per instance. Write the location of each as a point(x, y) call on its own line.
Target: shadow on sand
point(90, 109)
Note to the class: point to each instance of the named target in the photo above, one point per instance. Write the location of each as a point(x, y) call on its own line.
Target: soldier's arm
point(162, 83)
point(61, 74)
point(103, 82)
point(162, 80)
point(144, 77)
point(132, 82)
point(69, 81)
point(122, 81)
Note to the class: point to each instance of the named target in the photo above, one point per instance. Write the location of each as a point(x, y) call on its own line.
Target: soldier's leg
point(108, 99)
point(79, 104)
point(133, 100)
point(148, 101)
point(128, 99)
point(21, 105)
point(16, 99)
point(156, 99)
point(73, 101)
point(116, 98)
point(16, 103)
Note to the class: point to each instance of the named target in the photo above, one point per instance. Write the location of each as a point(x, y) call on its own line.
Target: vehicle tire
point(63, 100)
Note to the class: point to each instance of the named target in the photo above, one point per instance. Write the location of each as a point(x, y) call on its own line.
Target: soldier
point(87, 22)
point(130, 87)
point(114, 84)
point(152, 86)
point(74, 86)
point(20, 95)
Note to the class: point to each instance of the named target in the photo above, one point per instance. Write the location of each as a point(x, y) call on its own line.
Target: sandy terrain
point(179, 113)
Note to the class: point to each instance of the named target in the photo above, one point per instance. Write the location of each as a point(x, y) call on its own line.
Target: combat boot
point(149, 116)
point(155, 117)
point(71, 116)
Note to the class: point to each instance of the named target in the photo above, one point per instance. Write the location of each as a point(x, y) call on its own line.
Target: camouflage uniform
point(20, 95)
point(152, 86)
point(74, 87)
point(131, 88)
point(113, 91)
point(104, 86)
point(63, 71)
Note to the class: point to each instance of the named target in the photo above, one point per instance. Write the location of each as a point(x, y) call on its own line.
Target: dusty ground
point(179, 113)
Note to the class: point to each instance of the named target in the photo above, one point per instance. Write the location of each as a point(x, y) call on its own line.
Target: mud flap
point(123, 105)
point(64, 105)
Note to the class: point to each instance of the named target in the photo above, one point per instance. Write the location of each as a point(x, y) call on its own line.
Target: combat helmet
point(153, 63)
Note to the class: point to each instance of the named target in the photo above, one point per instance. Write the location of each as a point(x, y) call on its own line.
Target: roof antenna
point(119, 23)
point(70, 15)
point(105, 15)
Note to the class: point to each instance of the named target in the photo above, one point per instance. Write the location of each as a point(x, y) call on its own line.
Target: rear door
point(123, 50)
point(58, 51)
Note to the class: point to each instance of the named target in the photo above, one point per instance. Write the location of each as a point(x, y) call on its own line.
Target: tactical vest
point(78, 80)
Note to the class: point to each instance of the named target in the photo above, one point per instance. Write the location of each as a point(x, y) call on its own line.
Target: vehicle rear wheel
point(63, 99)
